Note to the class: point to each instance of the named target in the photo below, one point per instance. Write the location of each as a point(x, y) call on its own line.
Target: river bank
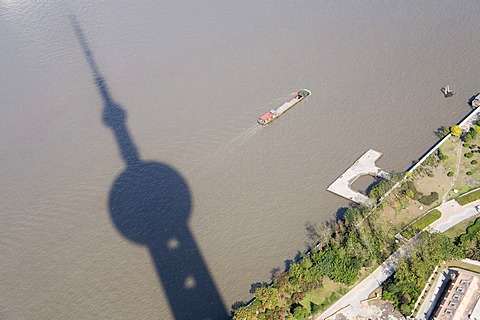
point(424, 170)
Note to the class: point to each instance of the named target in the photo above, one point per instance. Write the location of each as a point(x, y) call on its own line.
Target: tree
point(410, 193)
point(268, 297)
point(306, 262)
point(468, 137)
point(412, 273)
point(245, 313)
point(314, 308)
point(443, 131)
point(301, 313)
point(456, 131)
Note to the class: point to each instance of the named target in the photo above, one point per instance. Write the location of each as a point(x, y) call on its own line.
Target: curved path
point(453, 213)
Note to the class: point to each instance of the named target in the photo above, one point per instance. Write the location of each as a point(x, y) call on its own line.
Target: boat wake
point(243, 137)
point(223, 152)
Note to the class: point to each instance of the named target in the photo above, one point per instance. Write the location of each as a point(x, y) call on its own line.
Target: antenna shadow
point(150, 204)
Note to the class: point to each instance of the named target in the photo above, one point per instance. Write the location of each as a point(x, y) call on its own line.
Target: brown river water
point(148, 191)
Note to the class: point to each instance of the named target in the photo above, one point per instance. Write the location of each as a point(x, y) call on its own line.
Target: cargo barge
point(275, 113)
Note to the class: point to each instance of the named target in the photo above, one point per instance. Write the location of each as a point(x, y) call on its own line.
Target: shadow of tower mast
point(150, 204)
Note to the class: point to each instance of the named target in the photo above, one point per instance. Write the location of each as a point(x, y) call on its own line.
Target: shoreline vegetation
point(345, 251)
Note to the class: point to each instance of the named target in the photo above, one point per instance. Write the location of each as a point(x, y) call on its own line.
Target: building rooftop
point(460, 298)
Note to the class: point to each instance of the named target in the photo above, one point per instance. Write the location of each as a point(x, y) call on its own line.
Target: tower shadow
point(150, 204)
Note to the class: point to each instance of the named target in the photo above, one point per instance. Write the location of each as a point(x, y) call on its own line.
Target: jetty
point(365, 165)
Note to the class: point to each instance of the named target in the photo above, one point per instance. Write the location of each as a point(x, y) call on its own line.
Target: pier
point(365, 165)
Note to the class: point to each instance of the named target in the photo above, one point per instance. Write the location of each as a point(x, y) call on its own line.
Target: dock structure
point(365, 165)
point(476, 101)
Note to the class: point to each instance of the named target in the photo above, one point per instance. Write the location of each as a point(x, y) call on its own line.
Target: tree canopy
point(412, 273)
point(456, 131)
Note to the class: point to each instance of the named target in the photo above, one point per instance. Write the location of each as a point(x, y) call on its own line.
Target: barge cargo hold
point(275, 113)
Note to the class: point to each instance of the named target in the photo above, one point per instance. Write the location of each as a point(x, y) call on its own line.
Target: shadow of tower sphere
point(148, 201)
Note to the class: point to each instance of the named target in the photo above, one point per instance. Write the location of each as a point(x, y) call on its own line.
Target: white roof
point(476, 311)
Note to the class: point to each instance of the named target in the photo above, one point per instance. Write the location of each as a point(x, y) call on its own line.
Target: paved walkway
point(453, 213)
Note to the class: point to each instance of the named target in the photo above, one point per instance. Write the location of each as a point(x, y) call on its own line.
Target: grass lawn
point(421, 223)
point(466, 199)
point(426, 220)
point(326, 295)
point(462, 265)
point(401, 210)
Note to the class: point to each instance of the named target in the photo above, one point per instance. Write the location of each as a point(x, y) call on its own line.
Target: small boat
point(447, 92)
point(275, 113)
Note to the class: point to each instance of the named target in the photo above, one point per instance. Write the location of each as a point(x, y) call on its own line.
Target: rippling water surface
point(192, 78)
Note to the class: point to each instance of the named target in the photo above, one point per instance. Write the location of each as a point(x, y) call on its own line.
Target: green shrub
point(301, 313)
point(409, 232)
point(469, 173)
point(405, 309)
point(474, 162)
point(466, 145)
point(467, 198)
point(471, 231)
point(468, 155)
point(431, 175)
point(416, 194)
point(473, 133)
point(428, 200)
point(315, 308)
point(410, 193)
point(450, 174)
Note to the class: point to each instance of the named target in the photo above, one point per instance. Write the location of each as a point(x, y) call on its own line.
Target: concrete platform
point(365, 165)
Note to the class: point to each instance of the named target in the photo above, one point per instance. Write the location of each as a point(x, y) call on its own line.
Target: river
point(79, 234)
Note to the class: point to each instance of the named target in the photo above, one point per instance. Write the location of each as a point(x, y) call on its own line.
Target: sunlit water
point(193, 78)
